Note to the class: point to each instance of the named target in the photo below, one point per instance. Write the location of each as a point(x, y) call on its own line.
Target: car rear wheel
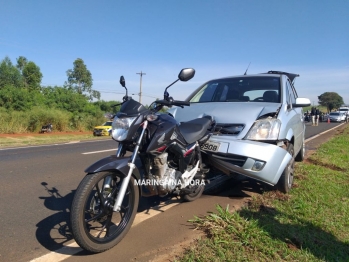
point(286, 180)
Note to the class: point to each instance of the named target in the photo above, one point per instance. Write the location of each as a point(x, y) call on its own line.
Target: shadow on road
point(54, 231)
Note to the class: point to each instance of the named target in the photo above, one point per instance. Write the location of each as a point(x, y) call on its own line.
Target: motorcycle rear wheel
point(95, 226)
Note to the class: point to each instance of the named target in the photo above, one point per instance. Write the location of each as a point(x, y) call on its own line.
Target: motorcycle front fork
point(126, 180)
point(108, 179)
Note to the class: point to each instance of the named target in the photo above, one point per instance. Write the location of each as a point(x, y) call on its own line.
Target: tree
point(21, 62)
point(9, 74)
point(108, 106)
point(31, 75)
point(331, 100)
point(64, 98)
point(80, 79)
point(18, 99)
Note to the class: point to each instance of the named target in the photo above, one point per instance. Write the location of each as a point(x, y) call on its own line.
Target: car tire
point(301, 154)
point(286, 180)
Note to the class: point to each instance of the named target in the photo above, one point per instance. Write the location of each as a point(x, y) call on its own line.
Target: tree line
point(21, 92)
point(26, 102)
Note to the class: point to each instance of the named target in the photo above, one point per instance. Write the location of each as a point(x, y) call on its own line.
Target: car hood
point(102, 127)
point(244, 113)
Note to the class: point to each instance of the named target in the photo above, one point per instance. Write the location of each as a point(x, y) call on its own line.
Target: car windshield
point(243, 89)
point(108, 123)
point(334, 114)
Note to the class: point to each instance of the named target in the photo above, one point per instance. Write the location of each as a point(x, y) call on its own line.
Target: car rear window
point(244, 89)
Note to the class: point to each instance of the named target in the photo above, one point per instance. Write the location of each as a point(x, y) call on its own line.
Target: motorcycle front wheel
point(94, 224)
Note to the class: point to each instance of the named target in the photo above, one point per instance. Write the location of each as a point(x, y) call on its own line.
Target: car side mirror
point(301, 102)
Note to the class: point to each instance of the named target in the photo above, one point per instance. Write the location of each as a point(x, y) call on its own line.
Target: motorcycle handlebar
point(181, 103)
point(173, 103)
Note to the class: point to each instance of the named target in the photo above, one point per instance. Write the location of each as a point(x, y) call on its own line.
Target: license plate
point(211, 146)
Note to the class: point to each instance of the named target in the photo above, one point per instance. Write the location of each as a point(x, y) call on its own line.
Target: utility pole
point(140, 87)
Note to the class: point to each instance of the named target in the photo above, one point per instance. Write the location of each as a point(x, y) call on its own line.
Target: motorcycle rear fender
point(112, 163)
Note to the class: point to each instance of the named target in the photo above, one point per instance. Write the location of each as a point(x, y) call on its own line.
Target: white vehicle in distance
point(344, 109)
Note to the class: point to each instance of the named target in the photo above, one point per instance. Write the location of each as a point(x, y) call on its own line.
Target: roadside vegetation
point(26, 105)
point(309, 224)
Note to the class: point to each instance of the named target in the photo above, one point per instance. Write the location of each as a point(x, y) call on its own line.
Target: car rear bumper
point(101, 132)
point(240, 156)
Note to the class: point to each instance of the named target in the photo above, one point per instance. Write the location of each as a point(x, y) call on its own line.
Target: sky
point(158, 38)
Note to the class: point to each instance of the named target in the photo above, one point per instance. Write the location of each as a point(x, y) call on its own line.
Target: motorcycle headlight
point(120, 127)
point(265, 129)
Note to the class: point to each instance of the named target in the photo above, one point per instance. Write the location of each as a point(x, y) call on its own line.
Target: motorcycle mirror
point(186, 74)
point(122, 81)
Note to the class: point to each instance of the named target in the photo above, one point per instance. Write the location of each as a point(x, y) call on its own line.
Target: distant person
point(317, 116)
point(313, 113)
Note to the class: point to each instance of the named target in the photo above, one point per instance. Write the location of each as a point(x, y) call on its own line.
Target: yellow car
point(103, 130)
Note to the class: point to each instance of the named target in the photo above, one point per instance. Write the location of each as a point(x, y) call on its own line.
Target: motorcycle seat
point(195, 129)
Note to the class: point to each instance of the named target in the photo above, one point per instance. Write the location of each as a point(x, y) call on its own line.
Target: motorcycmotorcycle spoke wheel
point(96, 227)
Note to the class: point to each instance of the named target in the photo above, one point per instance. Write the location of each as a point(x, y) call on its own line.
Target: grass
point(29, 139)
point(309, 224)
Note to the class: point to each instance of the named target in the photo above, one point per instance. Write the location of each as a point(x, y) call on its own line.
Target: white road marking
point(311, 138)
point(101, 151)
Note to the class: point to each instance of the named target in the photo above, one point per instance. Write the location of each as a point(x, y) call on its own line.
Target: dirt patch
point(326, 165)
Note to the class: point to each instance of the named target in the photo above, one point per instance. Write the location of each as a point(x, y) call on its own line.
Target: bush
point(32, 121)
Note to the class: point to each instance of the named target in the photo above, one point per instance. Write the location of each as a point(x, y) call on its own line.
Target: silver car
point(259, 129)
point(336, 117)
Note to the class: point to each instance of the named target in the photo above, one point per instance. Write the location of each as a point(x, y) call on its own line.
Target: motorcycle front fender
point(112, 163)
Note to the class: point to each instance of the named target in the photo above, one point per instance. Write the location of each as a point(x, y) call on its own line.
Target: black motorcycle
point(47, 128)
point(165, 159)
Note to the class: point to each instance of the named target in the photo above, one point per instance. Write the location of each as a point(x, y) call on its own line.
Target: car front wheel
point(286, 180)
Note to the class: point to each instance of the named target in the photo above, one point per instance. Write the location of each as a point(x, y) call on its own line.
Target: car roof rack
point(289, 75)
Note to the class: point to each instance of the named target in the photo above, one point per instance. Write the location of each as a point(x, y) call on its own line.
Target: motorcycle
point(165, 160)
point(47, 128)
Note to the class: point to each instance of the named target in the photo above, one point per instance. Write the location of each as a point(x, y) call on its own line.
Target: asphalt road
point(37, 186)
